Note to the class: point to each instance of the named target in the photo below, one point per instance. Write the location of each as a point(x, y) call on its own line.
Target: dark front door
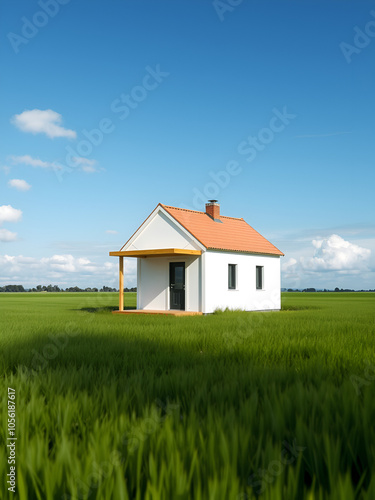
point(177, 285)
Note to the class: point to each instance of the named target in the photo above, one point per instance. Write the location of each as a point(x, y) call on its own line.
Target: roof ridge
point(199, 212)
point(228, 217)
point(179, 208)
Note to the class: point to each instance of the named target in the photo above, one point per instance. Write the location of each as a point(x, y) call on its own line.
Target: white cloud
point(37, 121)
point(289, 265)
point(57, 263)
point(33, 162)
point(19, 184)
point(80, 160)
point(88, 170)
point(9, 214)
point(85, 164)
point(28, 160)
point(331, 254)
point(6, 235)
point(337, 254)
point(111, 231)
point(61, 263)
point(70, 264)
point(330, 262)
point(63, 269)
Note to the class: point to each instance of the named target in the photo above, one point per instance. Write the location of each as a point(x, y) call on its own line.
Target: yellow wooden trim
point(168, 312)
point(121, 283)
point(159, 252)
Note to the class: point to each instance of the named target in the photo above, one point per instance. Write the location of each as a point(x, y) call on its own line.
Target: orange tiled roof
point(229, 234)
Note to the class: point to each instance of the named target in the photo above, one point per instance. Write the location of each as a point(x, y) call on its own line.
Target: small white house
point(195, 262)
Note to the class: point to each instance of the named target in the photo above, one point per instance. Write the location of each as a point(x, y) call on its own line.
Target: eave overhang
point(157, 252)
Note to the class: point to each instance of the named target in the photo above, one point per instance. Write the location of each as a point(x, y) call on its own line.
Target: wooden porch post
point(121, 283)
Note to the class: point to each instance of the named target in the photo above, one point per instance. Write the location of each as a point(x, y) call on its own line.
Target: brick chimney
point(213, 210)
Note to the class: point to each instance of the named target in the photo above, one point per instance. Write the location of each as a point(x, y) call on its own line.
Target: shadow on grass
point(106, 309)
point(297, 308)
point(103, 309)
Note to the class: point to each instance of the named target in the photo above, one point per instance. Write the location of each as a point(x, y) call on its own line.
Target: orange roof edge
point(282, 254)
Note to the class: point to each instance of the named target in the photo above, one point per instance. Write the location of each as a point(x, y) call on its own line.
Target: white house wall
point(160, 232)
point(153, 282)
point(245, 296)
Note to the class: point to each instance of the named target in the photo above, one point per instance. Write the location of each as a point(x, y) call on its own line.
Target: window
point(232, 276)
point(259, 277)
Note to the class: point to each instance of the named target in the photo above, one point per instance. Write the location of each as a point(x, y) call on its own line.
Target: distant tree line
point(324, 290)
point(55, 288)
point(12, 288)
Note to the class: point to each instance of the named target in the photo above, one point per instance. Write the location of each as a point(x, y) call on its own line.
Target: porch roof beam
point(158, 252)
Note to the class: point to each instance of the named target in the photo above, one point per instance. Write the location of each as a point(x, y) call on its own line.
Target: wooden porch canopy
point(157, 252)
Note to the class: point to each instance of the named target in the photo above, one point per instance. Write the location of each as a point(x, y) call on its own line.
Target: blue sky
point(180, 90)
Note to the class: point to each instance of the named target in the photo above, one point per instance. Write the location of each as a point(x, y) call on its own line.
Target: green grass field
point(276, 405)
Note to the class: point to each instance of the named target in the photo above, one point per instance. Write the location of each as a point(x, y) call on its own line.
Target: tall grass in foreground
point(234, 405)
